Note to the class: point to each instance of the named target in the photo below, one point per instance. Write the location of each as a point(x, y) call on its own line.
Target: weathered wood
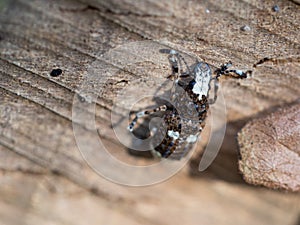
point(43, 174)
point(270, 149)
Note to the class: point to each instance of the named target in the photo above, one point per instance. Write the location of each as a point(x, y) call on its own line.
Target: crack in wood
point(277, 60)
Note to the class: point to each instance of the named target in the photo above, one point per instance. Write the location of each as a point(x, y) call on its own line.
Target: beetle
point(184, 118)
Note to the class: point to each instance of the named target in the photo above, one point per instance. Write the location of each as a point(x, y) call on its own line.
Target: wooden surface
point(269, 149)
point(45, 180)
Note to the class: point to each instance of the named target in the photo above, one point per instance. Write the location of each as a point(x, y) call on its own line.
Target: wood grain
point(43, 175)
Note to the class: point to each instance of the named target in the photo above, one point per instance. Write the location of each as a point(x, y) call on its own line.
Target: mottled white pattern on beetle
point(173, 134)
point(200, 90)
point(173, 52)
point(239, 72)
point(140, 114)
point(202, 78)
